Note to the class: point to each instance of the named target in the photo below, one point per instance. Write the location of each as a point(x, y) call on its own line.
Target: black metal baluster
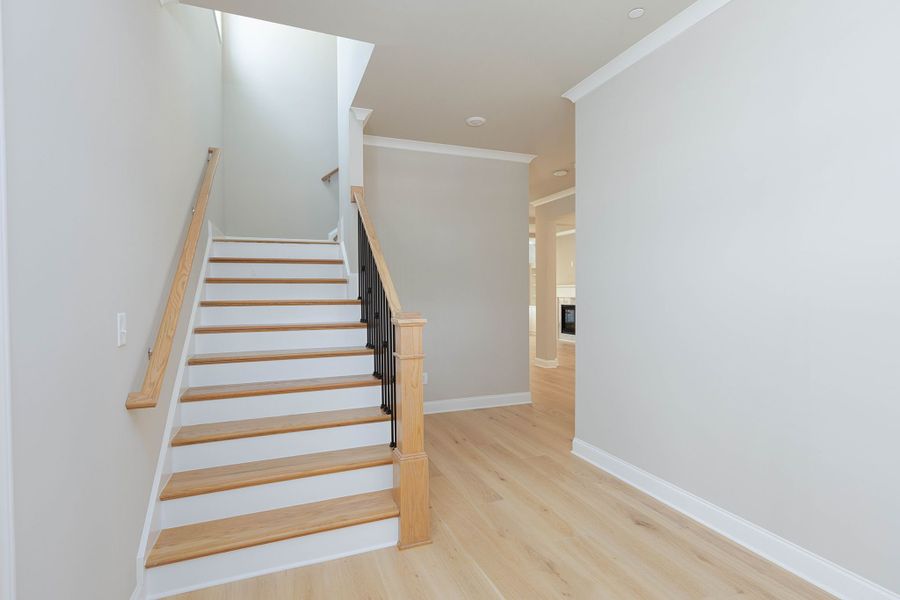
point(375, 312)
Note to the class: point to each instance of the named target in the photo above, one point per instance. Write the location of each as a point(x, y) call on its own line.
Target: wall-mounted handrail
point(396, 340)
point(148, 396)
point(327, 176)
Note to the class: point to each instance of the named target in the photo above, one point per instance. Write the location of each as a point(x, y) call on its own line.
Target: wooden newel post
point(410, 460)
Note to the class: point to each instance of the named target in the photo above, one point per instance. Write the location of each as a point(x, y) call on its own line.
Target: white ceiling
point(437, 62)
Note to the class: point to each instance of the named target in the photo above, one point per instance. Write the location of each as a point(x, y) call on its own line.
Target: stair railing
point(148, 396)
point(395, 337)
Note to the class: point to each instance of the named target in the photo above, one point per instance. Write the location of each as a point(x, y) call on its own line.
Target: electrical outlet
point(425, 378)
point(121, 329)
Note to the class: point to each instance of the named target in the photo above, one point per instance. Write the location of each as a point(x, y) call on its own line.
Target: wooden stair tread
point(298, 302)
point(278, 280)
point(217, 479)
point(268, 241)
point(267, 355)
point(244, 531)
point(276, 261)
point(231, 430)
point(267, 388)
point(278, 327)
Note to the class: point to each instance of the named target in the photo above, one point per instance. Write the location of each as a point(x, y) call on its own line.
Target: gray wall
point(110, 107)
point(280, 94)
point(738, 261)
point(455, 236)
point(565, 260)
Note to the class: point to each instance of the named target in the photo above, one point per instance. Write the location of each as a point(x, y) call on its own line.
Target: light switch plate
point(121, 329)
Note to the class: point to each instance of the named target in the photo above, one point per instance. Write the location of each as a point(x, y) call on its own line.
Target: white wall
point(280, 93)
point(7, 529)
point(455, 236)
point(740, 256)
point(110, 107)
point(352, 60)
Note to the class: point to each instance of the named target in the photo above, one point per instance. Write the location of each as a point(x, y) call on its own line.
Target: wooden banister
point(327, 176)
point(405, 346)
point(148, 396)
point(358, 196)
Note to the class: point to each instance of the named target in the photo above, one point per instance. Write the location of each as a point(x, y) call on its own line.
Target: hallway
point(516, 516)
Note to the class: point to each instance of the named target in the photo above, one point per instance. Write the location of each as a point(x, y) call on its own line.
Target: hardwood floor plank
point(516, 515)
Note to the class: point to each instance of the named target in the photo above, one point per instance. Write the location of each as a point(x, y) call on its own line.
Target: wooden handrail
point(358, 196)
point(148, 396)
point(327, 176)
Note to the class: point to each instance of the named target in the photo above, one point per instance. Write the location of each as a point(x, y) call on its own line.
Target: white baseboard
point(546, 364)
point(477, 402)
point(819, 571)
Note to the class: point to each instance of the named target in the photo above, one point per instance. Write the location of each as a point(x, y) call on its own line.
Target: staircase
point(281, 454)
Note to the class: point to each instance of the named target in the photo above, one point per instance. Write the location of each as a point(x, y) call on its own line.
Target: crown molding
point(417, 146)
point(553, 197)
point(666, 32)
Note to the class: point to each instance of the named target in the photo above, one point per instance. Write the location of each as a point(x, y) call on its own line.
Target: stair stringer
point(152, 525)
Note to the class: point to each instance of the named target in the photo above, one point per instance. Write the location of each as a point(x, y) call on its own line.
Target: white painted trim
point(361, 114)
point(270, 240)
point(417, 146)
point(7, 527)
point(666, 32)
point(819, 571)
point(553, 197)
point(163, 462)
point(477, 402)
point(566, 291)
point(546, 364)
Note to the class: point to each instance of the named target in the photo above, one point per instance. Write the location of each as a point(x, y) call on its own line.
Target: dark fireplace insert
point(567, 319)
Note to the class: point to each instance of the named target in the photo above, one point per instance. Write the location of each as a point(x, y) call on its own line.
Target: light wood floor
point(516, 516)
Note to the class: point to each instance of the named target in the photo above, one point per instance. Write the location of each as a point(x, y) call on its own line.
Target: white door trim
point(7, 555)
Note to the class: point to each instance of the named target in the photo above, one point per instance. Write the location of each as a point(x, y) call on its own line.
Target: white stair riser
point(278, 340)
point(274, 270)
point(251, 250)
point(236, 409)
point(203, 572)
point(279, 370)
point(273, 291)
point(270, 315)
point(258, 498)
point(230, 452)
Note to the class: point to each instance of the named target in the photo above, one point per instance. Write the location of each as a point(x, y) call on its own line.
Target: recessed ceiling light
point(636, 13)
point(560, 173)
point(476, 121)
